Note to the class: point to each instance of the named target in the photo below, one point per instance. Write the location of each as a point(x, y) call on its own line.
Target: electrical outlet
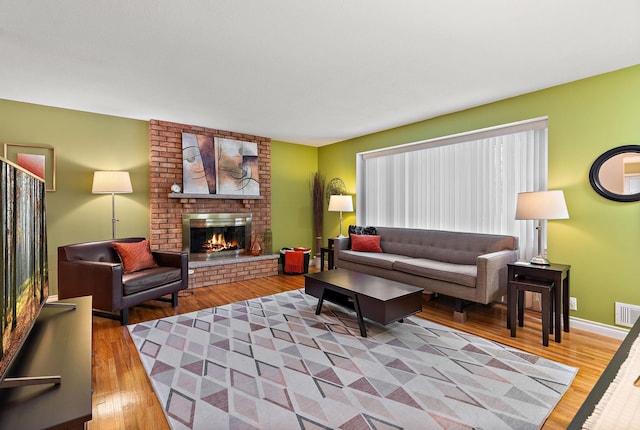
point(573, 304)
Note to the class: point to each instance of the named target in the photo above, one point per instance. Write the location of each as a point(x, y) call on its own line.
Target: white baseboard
point(52, 298)
point(598, 328)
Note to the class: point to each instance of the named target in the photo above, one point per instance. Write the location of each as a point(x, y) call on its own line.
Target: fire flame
point(218, 243)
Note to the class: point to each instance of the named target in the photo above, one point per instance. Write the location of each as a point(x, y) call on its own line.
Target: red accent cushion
point(135, 256)
point(365, 243)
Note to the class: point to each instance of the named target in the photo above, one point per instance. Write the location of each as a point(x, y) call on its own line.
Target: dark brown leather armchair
point(94, 269)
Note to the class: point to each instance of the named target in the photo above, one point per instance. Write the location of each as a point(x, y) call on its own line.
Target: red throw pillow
point(365, 243)
point(135, 256)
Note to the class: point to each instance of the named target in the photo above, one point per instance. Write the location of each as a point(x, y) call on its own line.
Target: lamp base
point(340, 236)
point(540, 261)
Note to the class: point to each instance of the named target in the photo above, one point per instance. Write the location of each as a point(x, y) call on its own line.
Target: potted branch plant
point(317, 198)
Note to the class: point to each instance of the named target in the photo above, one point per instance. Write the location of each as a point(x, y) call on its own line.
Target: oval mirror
point(615, 175)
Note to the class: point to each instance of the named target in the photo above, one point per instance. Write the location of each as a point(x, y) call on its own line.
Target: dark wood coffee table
point(378, 299)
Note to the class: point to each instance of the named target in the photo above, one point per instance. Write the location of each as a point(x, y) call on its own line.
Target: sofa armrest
point(339, 244)
point(492, 274)
point(102, 280)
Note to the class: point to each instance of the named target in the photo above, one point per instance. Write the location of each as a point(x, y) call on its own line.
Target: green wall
point(601, 240)
point(84, 142)
point(291, 209)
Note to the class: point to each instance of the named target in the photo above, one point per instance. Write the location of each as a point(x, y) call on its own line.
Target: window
point(466, 182)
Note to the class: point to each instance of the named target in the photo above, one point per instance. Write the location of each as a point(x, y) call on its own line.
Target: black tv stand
point(21, 381)
point(60, 305)
point(59, 344)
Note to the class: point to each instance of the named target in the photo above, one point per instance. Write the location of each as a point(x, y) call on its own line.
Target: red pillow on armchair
point(365, 243)
point(135, 256)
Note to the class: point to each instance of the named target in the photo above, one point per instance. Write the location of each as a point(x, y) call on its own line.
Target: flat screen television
point(23, 263)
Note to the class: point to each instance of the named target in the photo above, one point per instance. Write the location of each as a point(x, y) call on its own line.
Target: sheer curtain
point(467, 182)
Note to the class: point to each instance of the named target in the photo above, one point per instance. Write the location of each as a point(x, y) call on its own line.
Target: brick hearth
point(166, 212)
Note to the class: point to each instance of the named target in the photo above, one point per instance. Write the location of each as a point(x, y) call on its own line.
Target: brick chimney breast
point(165, 139)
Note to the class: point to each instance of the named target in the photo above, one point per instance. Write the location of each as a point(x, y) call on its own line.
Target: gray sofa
point(470, 267)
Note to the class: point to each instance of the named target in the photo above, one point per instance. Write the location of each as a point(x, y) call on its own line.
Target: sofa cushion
point(446, 246)
point(365, 243)
point(461, 274)
point(383, 260)
point(358, 229)
point(149, 278)
point(135, 256)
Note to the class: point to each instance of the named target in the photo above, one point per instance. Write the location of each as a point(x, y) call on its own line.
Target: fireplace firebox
point(213, 235)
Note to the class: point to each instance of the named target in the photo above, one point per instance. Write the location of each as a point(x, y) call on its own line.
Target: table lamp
point(541, 205)
point(111, 182)
point(340, 203)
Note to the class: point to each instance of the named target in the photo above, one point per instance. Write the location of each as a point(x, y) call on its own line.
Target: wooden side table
point(515, 303)
point(558, 274)
point(329, 251)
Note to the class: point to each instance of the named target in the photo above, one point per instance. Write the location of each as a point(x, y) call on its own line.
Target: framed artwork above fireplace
point(217, 165)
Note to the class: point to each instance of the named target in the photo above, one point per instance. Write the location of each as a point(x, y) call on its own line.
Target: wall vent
point(626, 314)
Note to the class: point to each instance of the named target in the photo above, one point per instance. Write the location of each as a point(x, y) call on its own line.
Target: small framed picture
point(38, 159)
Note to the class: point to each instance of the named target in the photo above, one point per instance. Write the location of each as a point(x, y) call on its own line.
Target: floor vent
point(626, 314)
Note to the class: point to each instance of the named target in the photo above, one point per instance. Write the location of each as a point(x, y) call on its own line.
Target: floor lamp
point(111, 182)
point(541, 205)
point(340, 203)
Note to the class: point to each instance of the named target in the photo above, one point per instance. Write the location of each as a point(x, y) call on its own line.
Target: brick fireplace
point(167, 209)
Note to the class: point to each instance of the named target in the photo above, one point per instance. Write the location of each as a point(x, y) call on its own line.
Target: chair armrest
point(492, 274)
point(174, 259)
point(171, 259)
point(102, 280)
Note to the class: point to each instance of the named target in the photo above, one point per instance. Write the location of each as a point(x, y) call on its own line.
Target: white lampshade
point(541, 205)
point(340, 203)
point(108, 182)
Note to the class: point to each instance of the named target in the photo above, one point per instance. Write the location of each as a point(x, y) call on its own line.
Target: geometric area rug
point(271, 363)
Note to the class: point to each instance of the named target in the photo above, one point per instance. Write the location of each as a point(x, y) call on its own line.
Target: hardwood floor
point(124, 399)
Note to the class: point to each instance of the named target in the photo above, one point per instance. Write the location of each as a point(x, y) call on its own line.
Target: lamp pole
point(540, 259)
point(111, 182)
point(113, 215)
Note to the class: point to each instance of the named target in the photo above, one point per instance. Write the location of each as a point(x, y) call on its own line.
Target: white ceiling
point(306, 71)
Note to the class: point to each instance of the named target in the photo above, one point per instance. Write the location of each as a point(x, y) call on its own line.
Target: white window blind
point(467, 182)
